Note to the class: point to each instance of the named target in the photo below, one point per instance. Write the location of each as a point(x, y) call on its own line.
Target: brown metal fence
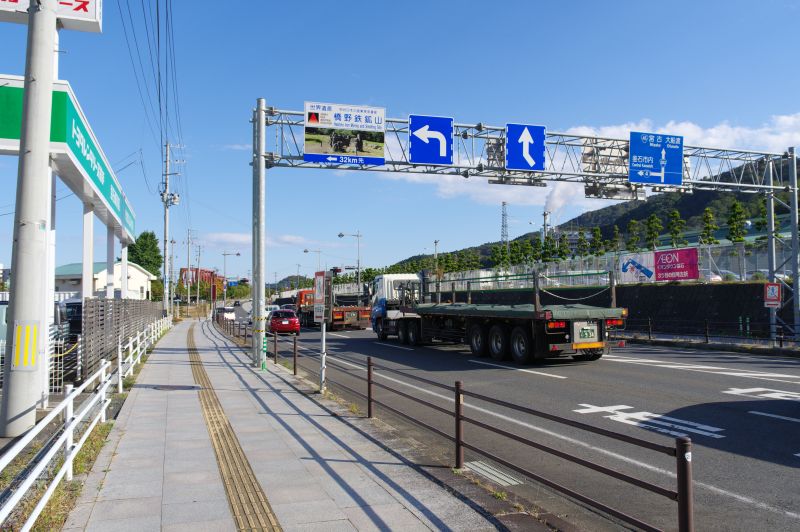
point(105, 321)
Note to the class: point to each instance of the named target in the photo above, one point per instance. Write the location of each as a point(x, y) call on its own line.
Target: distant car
point(289, 306)
point(270, 308)
point(283, 321)
point(237, 303)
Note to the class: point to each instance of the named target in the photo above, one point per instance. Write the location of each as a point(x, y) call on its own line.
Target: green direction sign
point(69, 128)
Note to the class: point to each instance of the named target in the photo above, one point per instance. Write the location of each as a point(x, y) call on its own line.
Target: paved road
point(740, 411)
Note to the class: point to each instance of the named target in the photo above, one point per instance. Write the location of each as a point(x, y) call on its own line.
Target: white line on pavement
point(338, 335)
point(776, 416)
point(580, 443)
point(518, 369)
point(395, 346)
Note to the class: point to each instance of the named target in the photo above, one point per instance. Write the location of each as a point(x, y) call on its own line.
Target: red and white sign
point(676, 265)
point(319, 297)
point(772, 295)
point(80, 15)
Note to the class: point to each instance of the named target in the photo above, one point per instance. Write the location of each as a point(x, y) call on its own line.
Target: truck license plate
point(587, 332)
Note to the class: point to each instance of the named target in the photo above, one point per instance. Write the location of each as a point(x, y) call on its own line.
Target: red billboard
point(676, 265)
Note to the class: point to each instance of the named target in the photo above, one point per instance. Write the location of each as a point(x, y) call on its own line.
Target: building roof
point(75, 269)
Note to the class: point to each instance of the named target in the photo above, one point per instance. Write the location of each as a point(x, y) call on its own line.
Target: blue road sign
point(524, 147)
point(430, 140)
point(655, 159)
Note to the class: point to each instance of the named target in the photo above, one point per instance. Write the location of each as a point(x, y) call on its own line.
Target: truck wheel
point(476, 337)
point(413, 332)
point(379, 330)
point(522, 347)
point(590, 355)
point(498, 342)
point(402, 331)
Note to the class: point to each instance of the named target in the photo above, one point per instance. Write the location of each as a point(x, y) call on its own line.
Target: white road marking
point(611, 454)
point(656, 422)
point(776, 416)
point(395, 346)
point(518, 369)
point(338, 335)
point(764, 393)
point(798, 455)
point(716, 370)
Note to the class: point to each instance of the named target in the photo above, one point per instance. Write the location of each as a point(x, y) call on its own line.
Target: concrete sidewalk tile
point(79, 516)
point(196, 512)
point(124, 509)
point(340, 525)
point(126, 475)
point(280, 492)
point(130, 490)
point(205, 526)
point(307, 512)
point(384, 517)
point(142, 523)
point(182, 492)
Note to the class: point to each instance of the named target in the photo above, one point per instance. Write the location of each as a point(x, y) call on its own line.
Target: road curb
point(758, 350)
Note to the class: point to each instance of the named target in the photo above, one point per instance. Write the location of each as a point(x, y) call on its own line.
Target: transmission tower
point(504, 228)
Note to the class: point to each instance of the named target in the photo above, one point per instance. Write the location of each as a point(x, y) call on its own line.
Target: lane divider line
point(396, 346)
point(776, 416)
point(524, 370)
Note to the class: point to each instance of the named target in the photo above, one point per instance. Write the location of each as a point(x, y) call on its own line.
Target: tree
point(634, 235)
point(597, 246)
point(709, 228)
point(145, 253)
point(515, 253)
point(499, 256)
point(156, 290)
point(675, 225)
point(736, 222)
point(582, 247)
point(563, 247)
point(536, 250)
point(652, 228)
point(526, 249)
point(548, 249)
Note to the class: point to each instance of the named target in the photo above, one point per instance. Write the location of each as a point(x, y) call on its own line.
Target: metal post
point(453, 290)
point(87, 276)
point(199, 248)
point(294, 356)
point(612, 279)
point(119, 365)
point(109, 262)
point(773, 313)
point(708, 340)
point(793, 260)
point(323, 354)
point(259, 228)
point(537, 302)
point(69, 413)
point(683, 446)
point(649, 328)
point(24, 387)
point(102, 389)
point(166, 200)
point(459, 435)
point(123, 292)
point(369, 387)
point(469, 292)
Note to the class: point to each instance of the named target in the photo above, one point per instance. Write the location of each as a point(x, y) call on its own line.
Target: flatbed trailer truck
point(522, 332)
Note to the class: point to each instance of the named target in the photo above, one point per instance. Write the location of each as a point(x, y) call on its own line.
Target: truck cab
point(385, 293)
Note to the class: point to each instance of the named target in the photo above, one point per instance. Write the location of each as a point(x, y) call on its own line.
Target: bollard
point(275, 345)
point(683, 446)
point(70, 430)
point(459, 426)
point(649, 328)
point(294, 356)
point(119, 365)
point(102, 389)
point(369, 387)
point(707, 333)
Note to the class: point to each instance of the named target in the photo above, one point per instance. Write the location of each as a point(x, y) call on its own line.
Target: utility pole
point(188, 270)
point(168, 199)
point(259, 229)
point(172, 276)
point(199, 250)
point(23, 383)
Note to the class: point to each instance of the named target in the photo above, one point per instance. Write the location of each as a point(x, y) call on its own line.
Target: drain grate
point(175, 387)
point(493, 474)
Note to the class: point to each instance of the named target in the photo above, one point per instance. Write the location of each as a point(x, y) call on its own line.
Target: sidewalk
point(291, 464)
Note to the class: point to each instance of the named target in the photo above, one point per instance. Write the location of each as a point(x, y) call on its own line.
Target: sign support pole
point(23, 387)
point(795, 240)
point(322, 363)
point(771, 245)
point(259, 198)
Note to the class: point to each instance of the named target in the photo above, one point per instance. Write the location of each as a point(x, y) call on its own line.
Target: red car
point(283, 321)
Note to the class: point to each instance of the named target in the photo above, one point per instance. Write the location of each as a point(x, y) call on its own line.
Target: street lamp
point(358, 236)
point(225, 255)
point(319, 255)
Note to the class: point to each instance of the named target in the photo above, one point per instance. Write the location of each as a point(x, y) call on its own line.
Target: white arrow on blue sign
point(655, 159)
point(525, 147)
point(430, 140)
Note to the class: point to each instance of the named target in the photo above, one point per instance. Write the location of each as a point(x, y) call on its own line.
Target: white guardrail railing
point(65, 445)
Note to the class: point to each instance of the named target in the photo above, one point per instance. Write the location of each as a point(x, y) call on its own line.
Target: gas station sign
point(79, 15)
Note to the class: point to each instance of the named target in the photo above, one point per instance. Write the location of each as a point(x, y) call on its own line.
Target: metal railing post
point(649, 328)
point(708, 339)
point(459, 434)
point(119, 365)
point(294, 356)
point(102, 390)
point(79, 368)
point(369, 387)
point(275, 345)
point(683, 446)
point(69, 413)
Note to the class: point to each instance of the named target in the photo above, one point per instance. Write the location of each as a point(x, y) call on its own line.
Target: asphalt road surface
point(741, 412)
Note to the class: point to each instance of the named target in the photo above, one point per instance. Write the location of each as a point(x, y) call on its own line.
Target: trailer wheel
point(476, 337)
point(380, 331)
point(402, 331)
point(522, 347)
point(591, 355)
point(498, 341)
point(413, 332)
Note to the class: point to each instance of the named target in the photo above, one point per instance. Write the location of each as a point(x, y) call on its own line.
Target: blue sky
point(720, 73)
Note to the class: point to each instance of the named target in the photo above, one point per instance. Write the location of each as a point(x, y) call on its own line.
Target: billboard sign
point(637, 267)
point(676, 265)
point(344, 134)
point(772, 295)
point(80, 15)
point(655, 159)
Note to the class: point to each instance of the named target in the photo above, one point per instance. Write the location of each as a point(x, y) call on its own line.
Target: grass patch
point(456, 471)
point(16, 466)
point(500, 495)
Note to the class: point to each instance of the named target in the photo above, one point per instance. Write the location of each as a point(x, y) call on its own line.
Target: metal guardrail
point(707, 331)
point(63, 444)
point(682, 449)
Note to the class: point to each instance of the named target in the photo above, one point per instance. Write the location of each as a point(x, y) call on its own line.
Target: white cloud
point(219, 240)
point(231, 239)
point(237, 147)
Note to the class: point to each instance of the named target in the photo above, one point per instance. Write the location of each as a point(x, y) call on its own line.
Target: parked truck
point(348, 311)
point(415, 310)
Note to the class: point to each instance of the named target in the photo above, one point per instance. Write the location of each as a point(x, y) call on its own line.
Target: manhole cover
point(174, 387)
